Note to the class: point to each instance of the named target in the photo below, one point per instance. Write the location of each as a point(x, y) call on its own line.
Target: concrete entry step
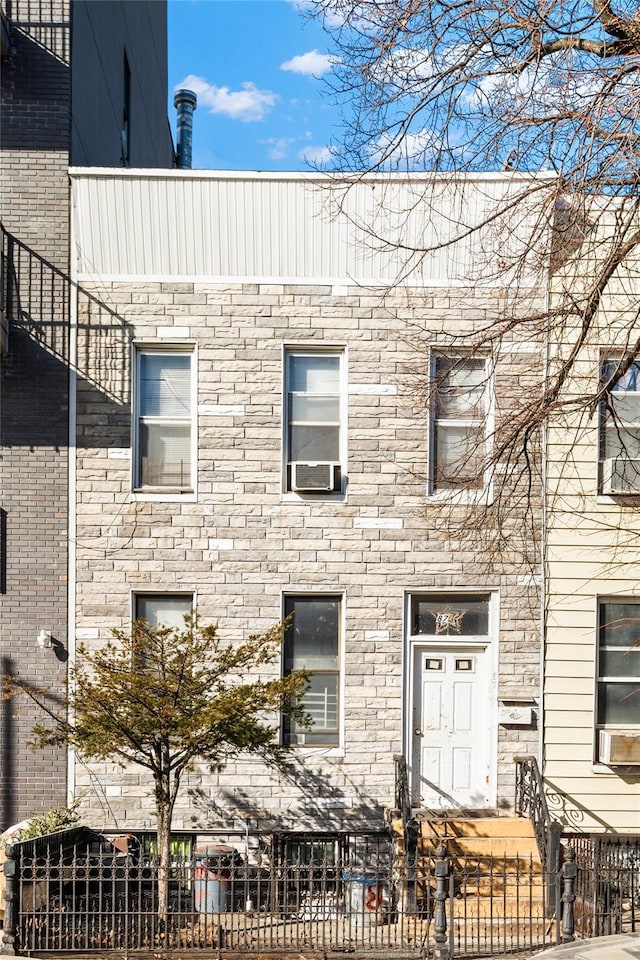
point(493, 859)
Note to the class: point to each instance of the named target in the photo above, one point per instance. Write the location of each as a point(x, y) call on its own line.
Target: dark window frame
point(328, 736)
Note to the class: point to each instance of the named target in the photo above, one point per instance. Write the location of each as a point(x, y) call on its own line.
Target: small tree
point(163, 698)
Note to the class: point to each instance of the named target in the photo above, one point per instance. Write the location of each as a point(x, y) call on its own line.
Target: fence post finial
point(569, 874)
point(440, 913)
point(10, 923)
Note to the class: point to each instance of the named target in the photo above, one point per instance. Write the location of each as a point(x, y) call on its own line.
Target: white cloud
point(404, 68)
point(248, 104)
point(310, 64)
point(413, 151)
point(552, 86)
point(331, 17)
point(279, 146)
point(316, 156)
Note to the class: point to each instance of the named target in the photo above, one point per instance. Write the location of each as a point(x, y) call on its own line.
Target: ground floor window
point(163, 609)
point(618, 698)
point(312, 642)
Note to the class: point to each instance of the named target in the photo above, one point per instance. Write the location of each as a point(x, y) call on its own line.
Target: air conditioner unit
point(621, 475)
point(621, 749)
point(313, 477)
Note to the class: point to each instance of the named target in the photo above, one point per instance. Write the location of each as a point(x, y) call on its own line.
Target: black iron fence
point(607, 883)
point(80, 892)
point(333, 894)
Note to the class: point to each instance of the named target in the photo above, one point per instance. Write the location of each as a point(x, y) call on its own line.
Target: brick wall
point(34, 209)
point(242, 543)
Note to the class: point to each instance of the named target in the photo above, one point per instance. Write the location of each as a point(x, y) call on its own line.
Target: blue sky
point(257, 68)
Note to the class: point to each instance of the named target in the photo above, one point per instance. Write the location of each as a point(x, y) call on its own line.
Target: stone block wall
point(239, 544)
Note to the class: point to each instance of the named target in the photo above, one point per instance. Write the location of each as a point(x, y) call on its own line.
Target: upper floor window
point(164, 420)
point(620, 430)
point(314, 440)
point(312, 642)
point(126, 113)
point(459, 423)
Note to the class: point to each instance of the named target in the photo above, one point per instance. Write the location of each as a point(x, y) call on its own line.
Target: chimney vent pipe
point(185, 102)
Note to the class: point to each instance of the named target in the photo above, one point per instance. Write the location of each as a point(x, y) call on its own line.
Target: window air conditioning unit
point(621, 749)
point(313, 477)
point(621, 475)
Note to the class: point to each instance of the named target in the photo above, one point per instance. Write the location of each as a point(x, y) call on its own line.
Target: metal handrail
point(409, 832)
point(531, 802)
point(402, 793)
point(6, 272)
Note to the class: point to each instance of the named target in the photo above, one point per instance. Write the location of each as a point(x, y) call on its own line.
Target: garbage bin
point(211, 877)
point(364, 894)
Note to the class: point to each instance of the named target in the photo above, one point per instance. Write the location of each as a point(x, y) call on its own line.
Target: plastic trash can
point(364, 894)
point(211, 877)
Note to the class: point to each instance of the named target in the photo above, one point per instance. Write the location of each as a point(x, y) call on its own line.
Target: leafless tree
point(548, 90)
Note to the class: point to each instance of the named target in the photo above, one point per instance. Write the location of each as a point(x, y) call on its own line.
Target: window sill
point(615, 769)
point(336, 496)
point(462, 498)
point(167, 496)
point(334, 753)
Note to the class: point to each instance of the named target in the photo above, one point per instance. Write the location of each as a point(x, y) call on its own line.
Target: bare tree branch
point(545, 90)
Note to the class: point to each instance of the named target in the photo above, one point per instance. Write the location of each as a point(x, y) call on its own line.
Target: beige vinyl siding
point(593, 551)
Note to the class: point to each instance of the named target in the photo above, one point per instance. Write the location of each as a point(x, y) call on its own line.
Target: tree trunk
point(164, 811)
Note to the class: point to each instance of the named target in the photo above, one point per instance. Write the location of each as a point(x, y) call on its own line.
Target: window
point(618, 699)
point(126, 113)
point(164, 420)
point(459, 423)
point(312, 642)
point(162, 609)
point(620, 430)
point(441, 615)
point(314, 441)
point(159, 610)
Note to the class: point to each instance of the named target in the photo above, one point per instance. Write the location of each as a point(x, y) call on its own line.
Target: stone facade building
point(258, 435)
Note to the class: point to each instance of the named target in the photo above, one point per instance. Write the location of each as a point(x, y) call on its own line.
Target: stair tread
point(481, 827)
point(509, 847)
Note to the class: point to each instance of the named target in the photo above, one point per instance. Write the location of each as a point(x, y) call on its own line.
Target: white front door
point(451, 740)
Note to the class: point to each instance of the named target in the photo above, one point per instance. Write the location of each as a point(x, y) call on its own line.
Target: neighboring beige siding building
point(255, 436)
point(592, 663)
